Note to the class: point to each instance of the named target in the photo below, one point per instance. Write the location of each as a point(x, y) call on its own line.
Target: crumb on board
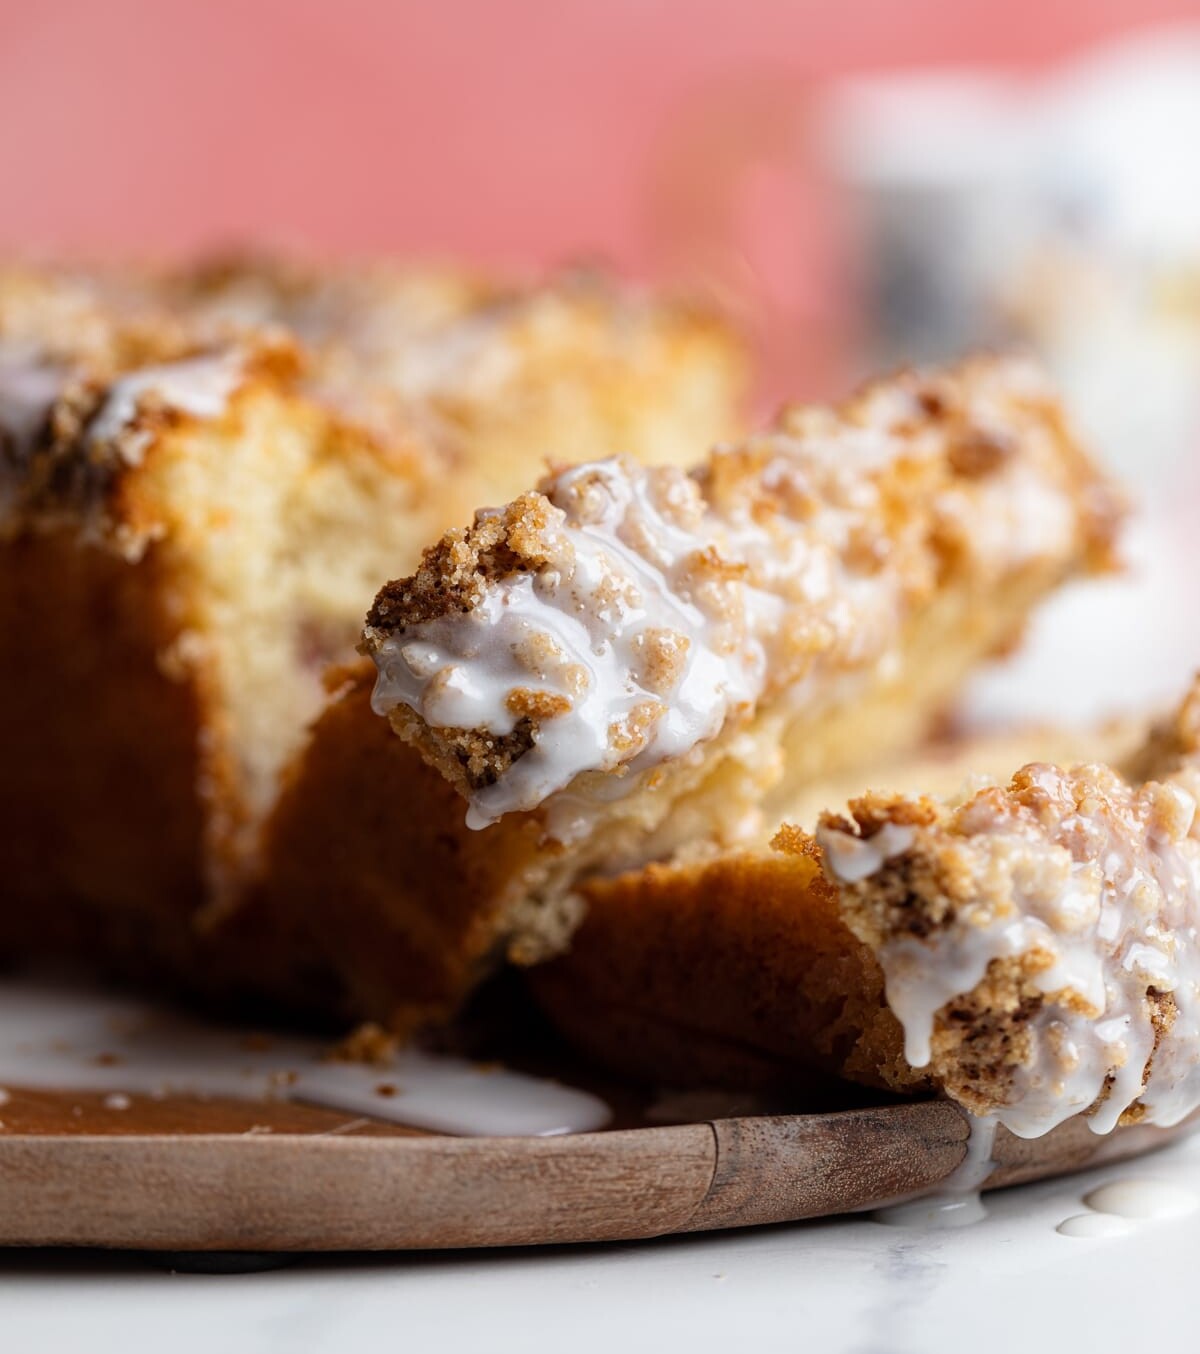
point(369, 1043)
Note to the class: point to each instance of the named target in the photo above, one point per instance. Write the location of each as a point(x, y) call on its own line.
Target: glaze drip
point(1059, 914)
point(623, 617)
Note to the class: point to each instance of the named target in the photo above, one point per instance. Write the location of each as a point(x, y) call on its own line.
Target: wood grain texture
point(338, 1183)
point(198, 1175)
point(779, 1168)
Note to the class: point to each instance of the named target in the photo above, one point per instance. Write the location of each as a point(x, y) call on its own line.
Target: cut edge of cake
point(1026, 945)
point(425, 904)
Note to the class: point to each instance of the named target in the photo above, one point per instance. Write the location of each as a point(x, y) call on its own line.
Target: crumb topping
point(94, 364)
point(1040, 942)
point(69, 424)
point(369, 1044)
point(72, 420)
point(654, 609)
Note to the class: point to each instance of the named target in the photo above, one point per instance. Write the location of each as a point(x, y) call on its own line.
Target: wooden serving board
point(185, 1174)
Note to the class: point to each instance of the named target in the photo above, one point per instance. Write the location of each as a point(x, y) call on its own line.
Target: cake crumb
point(369, 1043)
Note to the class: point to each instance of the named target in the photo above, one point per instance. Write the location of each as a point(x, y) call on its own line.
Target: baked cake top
point(620, 617)
point(79, 408)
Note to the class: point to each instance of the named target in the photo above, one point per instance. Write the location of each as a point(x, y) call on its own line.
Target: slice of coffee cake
point(631, 663)
point(1028, 948)
point(195, 512)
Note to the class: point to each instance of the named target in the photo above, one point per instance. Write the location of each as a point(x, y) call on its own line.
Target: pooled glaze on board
point(61, 1036)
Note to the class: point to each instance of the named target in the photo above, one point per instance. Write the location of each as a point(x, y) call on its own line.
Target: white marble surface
point(847, 1287)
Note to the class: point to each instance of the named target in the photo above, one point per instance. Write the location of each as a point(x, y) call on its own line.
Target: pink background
point(671, 137)
point(512, 129)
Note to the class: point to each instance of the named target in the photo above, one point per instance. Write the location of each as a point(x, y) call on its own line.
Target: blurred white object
point(1064, 212)
point(1122, 645)
point(940, 169)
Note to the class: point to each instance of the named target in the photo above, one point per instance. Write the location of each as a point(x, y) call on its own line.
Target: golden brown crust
point(109, 729)
point(363, 852)
point(109, 785)
point(739, 972)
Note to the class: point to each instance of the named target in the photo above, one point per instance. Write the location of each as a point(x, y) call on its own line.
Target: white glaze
point(57, 1035)
point(1109, 894)
point(957, 1201)
point(767, 574)
point(1093, 1225)
point(853, 859)
point(610, 627)
point(1142, 1199)
point(199, 386)
point(977, 1165)
point(939, 1211)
